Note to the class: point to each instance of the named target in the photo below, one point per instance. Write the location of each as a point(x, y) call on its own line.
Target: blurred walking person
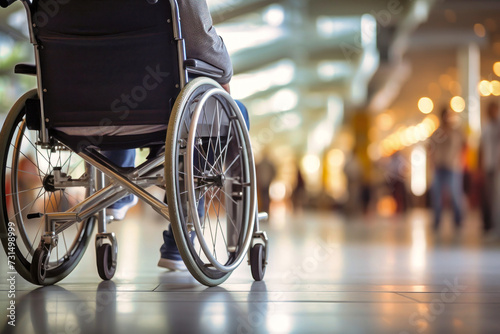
point(266, 172)
point(446, 148)
point(489, 162)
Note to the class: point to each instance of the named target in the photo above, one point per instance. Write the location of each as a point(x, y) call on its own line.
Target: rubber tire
point(258, 261)
point(38, 273)
point(22, 265)
point(105, 266)
point(174, 207)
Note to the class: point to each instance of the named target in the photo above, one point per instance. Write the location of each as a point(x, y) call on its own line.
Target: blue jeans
point(126, 158)
point(122, 158)
point(452, 182)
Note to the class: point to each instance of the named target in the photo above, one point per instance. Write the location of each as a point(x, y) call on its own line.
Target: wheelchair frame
point(125, 181)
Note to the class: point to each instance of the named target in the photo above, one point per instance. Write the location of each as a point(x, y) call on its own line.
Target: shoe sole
point(172, 265)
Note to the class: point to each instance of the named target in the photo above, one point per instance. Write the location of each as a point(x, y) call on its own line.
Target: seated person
point(202, 42)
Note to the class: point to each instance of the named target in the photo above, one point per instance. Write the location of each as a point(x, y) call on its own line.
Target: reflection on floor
point(327, 274)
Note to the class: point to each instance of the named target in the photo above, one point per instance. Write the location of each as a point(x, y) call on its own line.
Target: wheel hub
point(217, 180)
point(48, 183)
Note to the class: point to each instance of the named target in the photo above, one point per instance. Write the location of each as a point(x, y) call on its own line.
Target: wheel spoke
point(229, 216)
point(216, 213)
point(232, 163)
point(34, 146)
point(22, 171)
point(230, 138)
point(24, 155)
point(32, 203)
point(23, 191)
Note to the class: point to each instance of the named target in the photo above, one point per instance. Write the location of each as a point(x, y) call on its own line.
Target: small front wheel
point(105, 266)
point(258, 261)
point(37, 269)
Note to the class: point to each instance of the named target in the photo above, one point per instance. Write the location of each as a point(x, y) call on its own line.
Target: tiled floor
point(327, 274)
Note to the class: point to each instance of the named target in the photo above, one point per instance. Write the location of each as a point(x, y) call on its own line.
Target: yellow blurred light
point(457, 104)
point(336, 158)
point(495, 87)
point(434, 120)
point(384, 121)
point(311, 164)
point(410, 135)
point(479, 30)
point(374, 152)
point(429, 126)
point(277, 191)
point(386, 148)
point(403, 138)
point(423, 131)
point(386, 206)
point(425, 105)
point(496, 68)
point(444, 80)
point(485, 88)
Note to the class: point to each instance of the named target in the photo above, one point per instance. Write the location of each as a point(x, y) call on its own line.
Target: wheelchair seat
point(107, 64)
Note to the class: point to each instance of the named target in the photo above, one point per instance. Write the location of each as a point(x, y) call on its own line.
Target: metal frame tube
point(44, 136)
point(181, 47)
point(95, 159)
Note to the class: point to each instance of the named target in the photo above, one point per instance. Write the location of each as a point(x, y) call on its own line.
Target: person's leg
point(122, 158)
point(244, 112)
point(495, 216)
point(456, 193)
point(486, 201)
point(436, 196)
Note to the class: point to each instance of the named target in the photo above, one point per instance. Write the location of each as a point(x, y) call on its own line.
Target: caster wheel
point(258, 261)
point(105, 266)
point(37, 269)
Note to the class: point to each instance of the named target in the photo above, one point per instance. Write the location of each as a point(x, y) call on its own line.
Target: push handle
point(6, 3)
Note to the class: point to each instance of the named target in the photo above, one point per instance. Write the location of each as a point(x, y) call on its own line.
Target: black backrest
point(106, 62)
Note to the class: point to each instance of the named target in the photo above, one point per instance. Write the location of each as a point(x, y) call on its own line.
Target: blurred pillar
point(469, 63)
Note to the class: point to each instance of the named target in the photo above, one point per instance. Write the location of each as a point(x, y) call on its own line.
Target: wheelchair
point(113, 74)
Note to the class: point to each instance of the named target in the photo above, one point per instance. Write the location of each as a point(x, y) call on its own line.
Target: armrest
point(196, 66)
point(6, 3)
point(25, 69)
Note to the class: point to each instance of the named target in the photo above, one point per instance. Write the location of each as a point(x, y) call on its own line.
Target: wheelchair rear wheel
point(210, 177)
point(27, 192)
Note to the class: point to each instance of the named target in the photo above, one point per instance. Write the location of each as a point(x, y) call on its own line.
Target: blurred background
point(343, 95)
point(354, 156)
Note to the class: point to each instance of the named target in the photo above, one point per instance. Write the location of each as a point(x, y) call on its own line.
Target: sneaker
point(121, 212)
point(170, 256)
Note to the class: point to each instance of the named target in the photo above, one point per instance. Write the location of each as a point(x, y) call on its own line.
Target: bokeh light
point(496, 68)
point(336, 158)
point(495, 87)
point(485, 88)
point(311, 163)
point(457, 104)
point(479, 30)
point(384, 121)
point(425, 105)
